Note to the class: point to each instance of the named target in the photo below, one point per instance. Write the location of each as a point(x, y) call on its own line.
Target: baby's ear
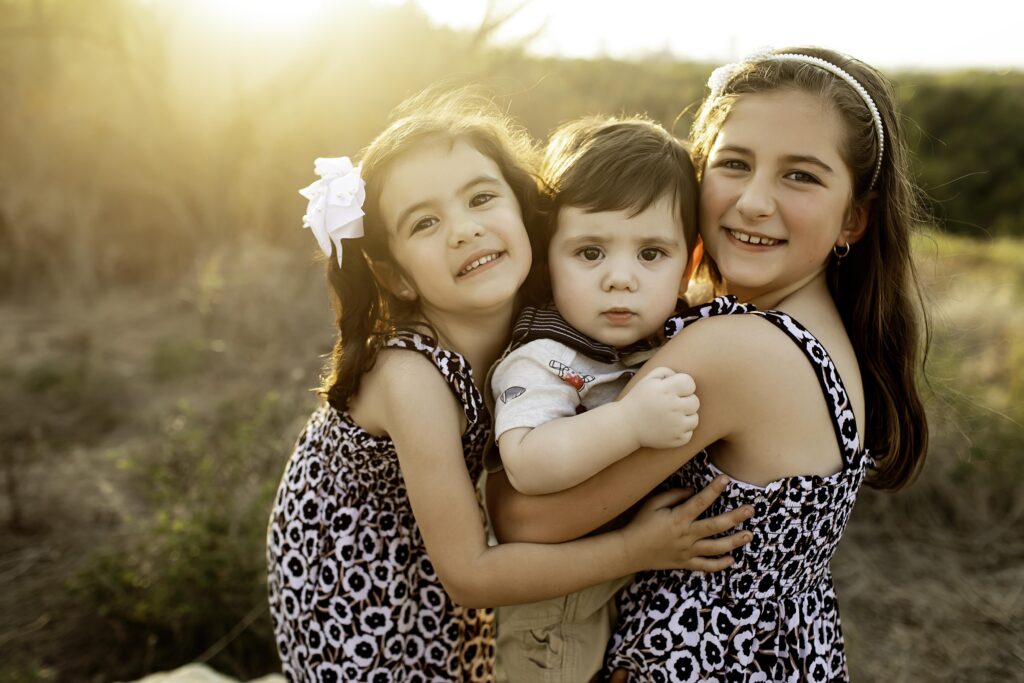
point(393, 280)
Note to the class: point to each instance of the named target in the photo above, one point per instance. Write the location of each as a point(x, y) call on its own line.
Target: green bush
point(189, 582)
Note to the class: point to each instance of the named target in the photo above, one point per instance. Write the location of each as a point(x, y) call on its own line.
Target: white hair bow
point(335, 210)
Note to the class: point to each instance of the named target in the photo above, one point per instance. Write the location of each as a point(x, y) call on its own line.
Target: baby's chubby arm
point(722, 356)
point(661, 412)
point(564, 449)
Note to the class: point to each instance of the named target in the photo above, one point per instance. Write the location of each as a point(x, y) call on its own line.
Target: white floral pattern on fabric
point(353, 595)
point(772, 615)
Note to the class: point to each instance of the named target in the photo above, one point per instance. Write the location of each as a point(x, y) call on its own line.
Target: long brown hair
point(875, 287)
point(366, 311)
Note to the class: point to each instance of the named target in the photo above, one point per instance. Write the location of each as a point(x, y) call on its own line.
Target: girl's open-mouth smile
point(478, 263)
point(751, 240)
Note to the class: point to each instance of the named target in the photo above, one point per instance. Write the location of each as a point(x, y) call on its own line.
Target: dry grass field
point(142, 432)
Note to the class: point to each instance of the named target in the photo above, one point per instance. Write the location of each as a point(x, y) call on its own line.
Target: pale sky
point(885, 33)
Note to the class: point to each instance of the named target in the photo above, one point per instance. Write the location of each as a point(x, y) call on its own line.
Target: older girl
point(806, 372)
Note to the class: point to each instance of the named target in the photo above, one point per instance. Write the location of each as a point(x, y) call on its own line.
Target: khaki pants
point(561, 640)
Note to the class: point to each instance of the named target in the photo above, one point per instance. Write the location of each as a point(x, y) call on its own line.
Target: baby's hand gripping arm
point(708, 354)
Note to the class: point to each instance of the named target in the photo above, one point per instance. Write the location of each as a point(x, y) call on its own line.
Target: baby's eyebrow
point(657, 241)
point(587, 239)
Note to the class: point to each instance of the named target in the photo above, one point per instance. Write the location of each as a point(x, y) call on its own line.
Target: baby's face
point(616, 277)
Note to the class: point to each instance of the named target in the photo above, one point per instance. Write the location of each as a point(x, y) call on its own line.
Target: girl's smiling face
point(776, 192)
point(455, 230)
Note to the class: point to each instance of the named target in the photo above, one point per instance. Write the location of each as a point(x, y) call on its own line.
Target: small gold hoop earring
point(841, 254)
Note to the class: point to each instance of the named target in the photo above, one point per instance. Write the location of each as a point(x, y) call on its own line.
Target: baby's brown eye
point(650, 254)
point(590, 253)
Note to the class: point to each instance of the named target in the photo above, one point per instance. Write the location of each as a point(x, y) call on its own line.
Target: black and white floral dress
point(771, 616)
point(353, 595)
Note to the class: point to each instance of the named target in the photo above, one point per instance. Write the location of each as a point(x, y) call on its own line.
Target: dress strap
point(840, 409)
point(453, 367)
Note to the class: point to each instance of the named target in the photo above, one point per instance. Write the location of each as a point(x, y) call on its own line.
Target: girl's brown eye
point(424, 224)
point(801, 177)
point(481, 198)
point(734, 164)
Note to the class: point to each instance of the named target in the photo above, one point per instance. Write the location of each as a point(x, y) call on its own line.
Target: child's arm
point(546, 447)
point(661, 412)
point(425, 427)
point(722, 355)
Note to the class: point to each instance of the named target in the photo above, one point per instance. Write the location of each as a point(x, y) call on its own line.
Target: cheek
point(667, 291)
point(714, 195)
point(561, 280)
point(569, 282)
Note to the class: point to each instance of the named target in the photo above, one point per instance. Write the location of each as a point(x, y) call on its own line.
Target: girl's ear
point(857, 222)
point(393, 280)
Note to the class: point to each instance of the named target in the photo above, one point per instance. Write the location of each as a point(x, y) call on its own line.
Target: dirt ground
point(930, 581)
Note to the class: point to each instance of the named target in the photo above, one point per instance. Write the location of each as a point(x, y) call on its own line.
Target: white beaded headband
point(720, 78)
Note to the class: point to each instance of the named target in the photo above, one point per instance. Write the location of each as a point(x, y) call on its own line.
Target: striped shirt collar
point(547, 323)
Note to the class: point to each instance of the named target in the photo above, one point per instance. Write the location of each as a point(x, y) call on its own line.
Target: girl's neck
point(479, 337)
point(776, 298)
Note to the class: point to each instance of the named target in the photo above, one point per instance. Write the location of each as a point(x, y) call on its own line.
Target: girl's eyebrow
point(808, 159)
point(478, 180)
point(789, 158)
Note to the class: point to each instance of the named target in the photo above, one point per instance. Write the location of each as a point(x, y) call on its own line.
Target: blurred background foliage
point(162, 325)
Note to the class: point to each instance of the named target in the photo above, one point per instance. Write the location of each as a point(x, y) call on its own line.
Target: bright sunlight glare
point(259, 14)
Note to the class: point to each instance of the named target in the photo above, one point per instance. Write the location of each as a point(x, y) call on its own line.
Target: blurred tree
point(971, 149)
point(138, 135)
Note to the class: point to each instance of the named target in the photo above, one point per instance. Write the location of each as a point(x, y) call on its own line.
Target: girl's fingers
point(704, 564)
point(619, 676)
point(668, 498)
point(721, 546)
point(719, 523)
point(692, 508)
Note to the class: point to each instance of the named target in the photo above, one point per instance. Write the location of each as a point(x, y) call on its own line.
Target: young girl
point(377, 508)
point(806, 213)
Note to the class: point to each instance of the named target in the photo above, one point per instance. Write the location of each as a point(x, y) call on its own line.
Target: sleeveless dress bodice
point(772, 615)
point(353, 594)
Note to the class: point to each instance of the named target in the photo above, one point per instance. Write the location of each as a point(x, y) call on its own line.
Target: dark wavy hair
point(612, 164)
point(366, 312)
point(875, 288)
